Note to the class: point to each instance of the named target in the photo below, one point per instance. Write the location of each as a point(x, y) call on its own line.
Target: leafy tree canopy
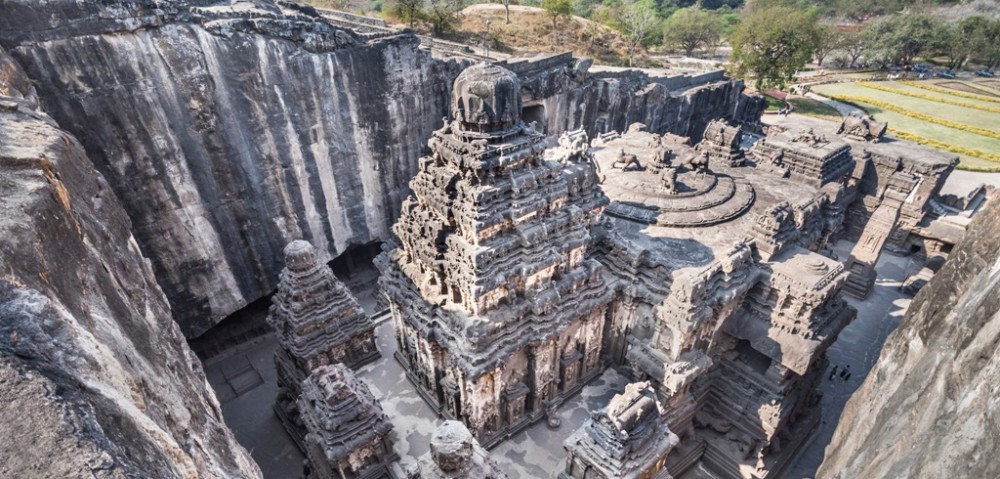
point(773, 43)
point(690, 28)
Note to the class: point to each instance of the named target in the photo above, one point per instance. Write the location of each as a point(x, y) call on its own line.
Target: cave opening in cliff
point(535, 113)
point(236, 332)
point(356, 268)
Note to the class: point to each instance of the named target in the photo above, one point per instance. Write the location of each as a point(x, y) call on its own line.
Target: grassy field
point(953, 136)
point(813, 108)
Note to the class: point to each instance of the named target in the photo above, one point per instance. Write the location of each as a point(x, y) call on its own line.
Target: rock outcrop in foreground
point(96, 379)
point(930, 407)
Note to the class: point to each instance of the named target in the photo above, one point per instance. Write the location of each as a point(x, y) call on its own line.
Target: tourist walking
point(833, 373)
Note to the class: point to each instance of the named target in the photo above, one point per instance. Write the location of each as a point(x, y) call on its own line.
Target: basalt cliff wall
point(96, 379)
point(931, 405)
point(228, 128)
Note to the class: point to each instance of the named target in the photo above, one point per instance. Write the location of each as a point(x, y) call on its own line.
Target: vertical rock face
point(930, 406)
point(227, 133)
point(230, 127)
point(96, 379)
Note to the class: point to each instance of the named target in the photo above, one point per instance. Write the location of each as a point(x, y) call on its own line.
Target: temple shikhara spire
point(317, 322)
point(498, 309)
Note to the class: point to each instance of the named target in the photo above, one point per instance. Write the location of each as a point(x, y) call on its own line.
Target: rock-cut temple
point(704, 268)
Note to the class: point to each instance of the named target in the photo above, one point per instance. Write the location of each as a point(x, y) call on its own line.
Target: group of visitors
point(845, 374)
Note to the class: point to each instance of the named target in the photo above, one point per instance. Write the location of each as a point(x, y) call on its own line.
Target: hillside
point(530, 30)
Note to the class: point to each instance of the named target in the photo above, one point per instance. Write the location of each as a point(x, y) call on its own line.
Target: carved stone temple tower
point(317, 322)
point(348, 434)
point(498, 309)
point(627, 440)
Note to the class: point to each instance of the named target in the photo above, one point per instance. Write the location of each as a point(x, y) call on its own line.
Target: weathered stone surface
point(862, 128)
point(929, 408)
point(317, 322)
point(229, 128)
point(719, 301)
point(227, 134)
point(497, 308)
point(805, 155)
point(722, 143)
point(348, 434)
point(455, 454)
point(96, 379)
point(627, 440)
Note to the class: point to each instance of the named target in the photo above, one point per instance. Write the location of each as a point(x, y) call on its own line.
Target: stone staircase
point(685, 456)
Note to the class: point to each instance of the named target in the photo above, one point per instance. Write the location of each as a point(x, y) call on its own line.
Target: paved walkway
point(843, 108)
point(859, 346)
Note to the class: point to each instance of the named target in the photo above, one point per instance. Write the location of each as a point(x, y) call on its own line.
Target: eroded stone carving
point(627, 440)
point(497, 307)
point(722, 143)
point(317, 322)
point(455, 454)
point(862, 128)
point(347, 432)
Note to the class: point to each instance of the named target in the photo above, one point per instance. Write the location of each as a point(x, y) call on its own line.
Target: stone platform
point(699, 199)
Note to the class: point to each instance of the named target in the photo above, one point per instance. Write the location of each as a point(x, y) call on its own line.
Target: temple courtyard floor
point(246, 386)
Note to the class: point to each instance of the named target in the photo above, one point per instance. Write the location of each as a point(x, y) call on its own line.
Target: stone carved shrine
point(455, 454)
point(348, 435)
point(317, 322)
point(498, 309)
point(520, 275)
point(627, 440)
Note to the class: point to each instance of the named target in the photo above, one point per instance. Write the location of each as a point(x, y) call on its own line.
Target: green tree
point(558, 8)
point(853, 44)
point(828, 39)
point(440, 14)
point(692, 28)
point(637, 20)
point(900, 38)
point(990, 56)
point(408, 10)
point(773, 43)
point(963, 40)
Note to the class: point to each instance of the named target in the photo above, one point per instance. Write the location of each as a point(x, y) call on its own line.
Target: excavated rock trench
point(156, 156)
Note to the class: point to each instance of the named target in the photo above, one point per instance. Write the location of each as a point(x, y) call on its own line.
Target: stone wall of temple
point(228, 132)
point(97, 379)
point(498, 309)
point(928, 408)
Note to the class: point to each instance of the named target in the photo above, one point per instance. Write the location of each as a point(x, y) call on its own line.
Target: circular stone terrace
point(699, 198)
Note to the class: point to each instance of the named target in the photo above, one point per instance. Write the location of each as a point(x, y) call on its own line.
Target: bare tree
point(637, 20)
